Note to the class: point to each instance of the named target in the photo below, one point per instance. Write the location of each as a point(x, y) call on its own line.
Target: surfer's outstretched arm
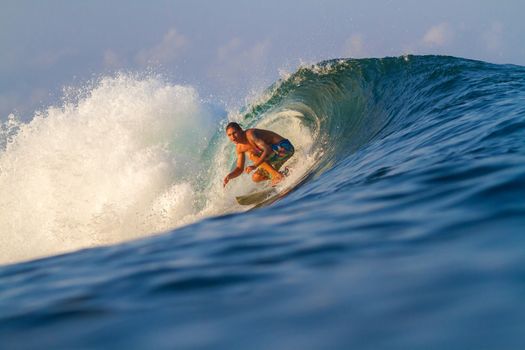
point(238, 169)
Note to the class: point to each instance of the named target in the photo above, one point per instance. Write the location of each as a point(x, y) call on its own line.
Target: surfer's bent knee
point(256, 177)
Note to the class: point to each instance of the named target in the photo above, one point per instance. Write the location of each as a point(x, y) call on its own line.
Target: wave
point(133, 156)
point(351, 102)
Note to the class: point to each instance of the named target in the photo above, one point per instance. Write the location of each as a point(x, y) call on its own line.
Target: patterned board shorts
point(282, 151)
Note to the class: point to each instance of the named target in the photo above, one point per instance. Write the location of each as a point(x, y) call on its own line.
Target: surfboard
point(256, 197)
point(271, 194)
point(260, 195)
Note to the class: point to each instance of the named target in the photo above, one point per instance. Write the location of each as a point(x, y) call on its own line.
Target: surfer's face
point(234, 135)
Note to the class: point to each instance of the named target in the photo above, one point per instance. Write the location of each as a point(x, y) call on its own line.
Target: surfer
point(267, 150)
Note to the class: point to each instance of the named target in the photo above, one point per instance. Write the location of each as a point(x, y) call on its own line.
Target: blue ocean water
point(406, 234)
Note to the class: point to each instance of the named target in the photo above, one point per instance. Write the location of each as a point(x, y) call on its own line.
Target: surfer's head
point(234, 132)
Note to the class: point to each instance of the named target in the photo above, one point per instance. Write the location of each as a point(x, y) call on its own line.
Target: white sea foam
point(115, 165)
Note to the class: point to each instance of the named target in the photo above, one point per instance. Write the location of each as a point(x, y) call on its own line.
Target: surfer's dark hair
point(233, 125)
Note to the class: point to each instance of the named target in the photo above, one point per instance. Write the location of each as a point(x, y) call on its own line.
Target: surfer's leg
point(257, 177)
point(271, 173)
point(261, 173)
point(277, 179)
point(265, 171)
point(283, 151)
point(270, 170)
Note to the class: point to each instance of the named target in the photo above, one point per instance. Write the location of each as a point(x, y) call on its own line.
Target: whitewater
point(406, 230)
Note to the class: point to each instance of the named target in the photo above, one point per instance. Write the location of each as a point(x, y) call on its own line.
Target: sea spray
point(114, 165)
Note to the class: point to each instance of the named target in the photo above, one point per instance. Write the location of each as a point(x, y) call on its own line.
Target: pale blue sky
point(227, 49)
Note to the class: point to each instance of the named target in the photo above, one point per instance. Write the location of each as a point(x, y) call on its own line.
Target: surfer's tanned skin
point(253, 142)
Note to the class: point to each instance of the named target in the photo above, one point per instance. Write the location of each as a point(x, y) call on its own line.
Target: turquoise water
point(407, 233)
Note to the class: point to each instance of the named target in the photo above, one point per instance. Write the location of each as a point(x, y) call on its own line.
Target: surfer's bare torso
point(253, 142)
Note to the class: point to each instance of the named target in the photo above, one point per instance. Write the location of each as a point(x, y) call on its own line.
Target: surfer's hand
point(250, 168)
point(226, 180)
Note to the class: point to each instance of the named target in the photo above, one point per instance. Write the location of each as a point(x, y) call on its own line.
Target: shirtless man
point(267, 150)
